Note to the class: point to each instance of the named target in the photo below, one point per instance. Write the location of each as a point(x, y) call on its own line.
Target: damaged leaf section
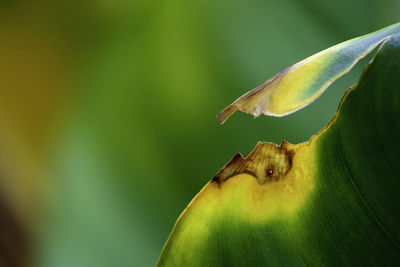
point(299, 85)
point(267, 163)
point(327, 207)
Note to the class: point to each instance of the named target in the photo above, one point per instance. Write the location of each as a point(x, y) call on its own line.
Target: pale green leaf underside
point(299, 85)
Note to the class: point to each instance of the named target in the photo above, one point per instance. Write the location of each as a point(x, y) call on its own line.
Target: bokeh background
point(107, 112)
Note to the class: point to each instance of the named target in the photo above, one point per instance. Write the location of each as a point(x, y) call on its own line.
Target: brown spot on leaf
point(267, 163)
point(270, 171)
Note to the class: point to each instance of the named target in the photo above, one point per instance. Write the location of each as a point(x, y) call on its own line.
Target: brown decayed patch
point(267, 163)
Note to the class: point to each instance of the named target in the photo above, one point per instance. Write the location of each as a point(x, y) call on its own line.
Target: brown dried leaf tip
point(267, 163)
point(254, 102)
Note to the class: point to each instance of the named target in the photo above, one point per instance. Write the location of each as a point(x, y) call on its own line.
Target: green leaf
point(299, 85)
point(330, 201)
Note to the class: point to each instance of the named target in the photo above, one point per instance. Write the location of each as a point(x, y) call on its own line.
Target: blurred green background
point(107, 112)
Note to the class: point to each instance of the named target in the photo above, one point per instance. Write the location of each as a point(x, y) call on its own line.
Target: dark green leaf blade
point(350, 213)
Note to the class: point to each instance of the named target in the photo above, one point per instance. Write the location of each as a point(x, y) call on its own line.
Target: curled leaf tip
point(299, 85)
point(226, 113)
point(254, 102)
